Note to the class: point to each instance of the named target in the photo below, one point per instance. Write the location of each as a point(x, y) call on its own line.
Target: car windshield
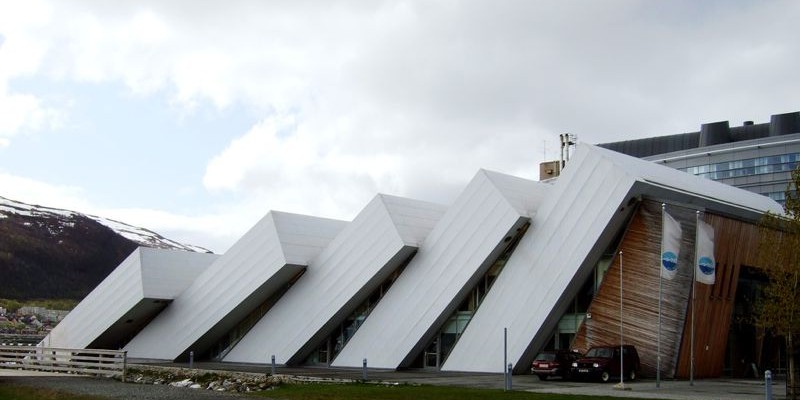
point(545, 357)
point(600, 352)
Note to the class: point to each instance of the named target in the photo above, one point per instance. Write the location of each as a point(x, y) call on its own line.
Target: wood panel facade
point(736, 244)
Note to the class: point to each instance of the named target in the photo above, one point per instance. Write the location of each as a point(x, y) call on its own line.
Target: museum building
point(565, 263)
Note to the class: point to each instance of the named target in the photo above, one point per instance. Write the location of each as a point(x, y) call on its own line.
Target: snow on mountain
point(142, 236)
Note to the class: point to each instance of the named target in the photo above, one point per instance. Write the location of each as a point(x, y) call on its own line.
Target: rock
point(184, 383)
point(195, 386)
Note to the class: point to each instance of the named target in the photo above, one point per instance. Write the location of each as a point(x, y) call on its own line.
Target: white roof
point(457, 252)
point(383, 235)
point(275, 250)
point(137, 289)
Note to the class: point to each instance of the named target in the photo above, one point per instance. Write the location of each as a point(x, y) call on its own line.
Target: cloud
point(21, 53)
point(408, 98)
point(32, 191)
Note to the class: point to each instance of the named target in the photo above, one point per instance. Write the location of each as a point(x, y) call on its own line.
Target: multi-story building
point(754, 157)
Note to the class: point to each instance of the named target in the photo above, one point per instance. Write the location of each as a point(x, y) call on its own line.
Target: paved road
point(681, 390)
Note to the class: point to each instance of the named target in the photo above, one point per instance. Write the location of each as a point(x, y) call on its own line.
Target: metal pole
point(364, 370)
point(124, 365)
point(191, 359)
point(621, 338)
point(274, 369)
point(505, 358)
point(660, 299)
point(694, 280)
point(509, 374)
point(768, 385)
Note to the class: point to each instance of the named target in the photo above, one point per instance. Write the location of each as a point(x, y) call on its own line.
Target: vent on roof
point(784, 124)
point(715, 133)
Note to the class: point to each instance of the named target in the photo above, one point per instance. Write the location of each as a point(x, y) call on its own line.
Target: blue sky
point(194, 119)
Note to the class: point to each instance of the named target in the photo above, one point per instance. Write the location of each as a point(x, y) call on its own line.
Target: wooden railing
point(76, 361)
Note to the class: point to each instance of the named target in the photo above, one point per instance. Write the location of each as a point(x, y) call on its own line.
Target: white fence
point(75, 361)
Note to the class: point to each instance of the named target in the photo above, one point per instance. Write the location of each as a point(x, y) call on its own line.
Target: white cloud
point(20, 55)
point(32, 191)
point(412, 97)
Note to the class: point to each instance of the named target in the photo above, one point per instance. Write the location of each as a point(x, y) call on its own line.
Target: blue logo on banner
point(706, 265)
point(669, 260)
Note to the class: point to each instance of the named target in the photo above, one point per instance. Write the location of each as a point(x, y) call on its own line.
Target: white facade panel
point(167, 273)
point(574, 225)
point(128, 294)
point(362, 256)
point(252, 269)
point(457, 252)
point(563, 233)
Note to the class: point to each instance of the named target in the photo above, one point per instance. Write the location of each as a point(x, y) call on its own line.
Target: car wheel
point(605, 377)
point(632, 375)
point(542, 377)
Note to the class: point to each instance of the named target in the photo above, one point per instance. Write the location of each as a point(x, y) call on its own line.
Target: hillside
point(52, 253)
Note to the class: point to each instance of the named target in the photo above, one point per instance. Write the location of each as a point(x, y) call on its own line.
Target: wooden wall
point(736, 243)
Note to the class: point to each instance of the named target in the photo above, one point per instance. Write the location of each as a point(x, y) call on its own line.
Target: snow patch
point(66, 218)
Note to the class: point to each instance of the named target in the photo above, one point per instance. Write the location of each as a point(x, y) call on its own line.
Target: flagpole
point(621, 339)
point(694, 281)
point(660, 297)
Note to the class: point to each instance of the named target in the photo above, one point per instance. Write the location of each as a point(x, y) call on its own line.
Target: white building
point(409, 284)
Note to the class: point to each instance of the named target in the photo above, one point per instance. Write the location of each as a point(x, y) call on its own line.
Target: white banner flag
point(670, 246)
point(705, 264)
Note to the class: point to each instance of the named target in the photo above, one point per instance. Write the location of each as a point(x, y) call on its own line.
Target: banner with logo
point(670, 246)
point(705, 265)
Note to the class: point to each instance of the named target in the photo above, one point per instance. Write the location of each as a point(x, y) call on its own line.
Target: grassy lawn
point(362, 391)
point(14, 392)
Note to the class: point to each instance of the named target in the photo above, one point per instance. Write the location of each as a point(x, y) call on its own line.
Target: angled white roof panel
point(413, 219)
point(462, 245)
point(359, 259)
point(130, 295)
point(587, 207)
point(276, 249)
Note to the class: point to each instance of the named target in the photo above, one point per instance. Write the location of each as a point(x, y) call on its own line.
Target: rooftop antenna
point(567, 140)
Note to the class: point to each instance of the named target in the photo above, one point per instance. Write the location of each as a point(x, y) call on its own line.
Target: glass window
point(747, 167)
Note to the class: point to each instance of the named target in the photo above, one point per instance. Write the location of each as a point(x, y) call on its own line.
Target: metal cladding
point(458, 251)
point(383, 235)
point(588, 204)
point(137, 290)
point(267, 257)
point(573, 220)
point(784, 124)
point(714, 133)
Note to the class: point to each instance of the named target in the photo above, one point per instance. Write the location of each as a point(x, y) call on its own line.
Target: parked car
point(550, 363)
point(603, 363)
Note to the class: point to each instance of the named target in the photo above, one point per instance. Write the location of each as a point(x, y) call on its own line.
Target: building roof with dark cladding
point(709, 134)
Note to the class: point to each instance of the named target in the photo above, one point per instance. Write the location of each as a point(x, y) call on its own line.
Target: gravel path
point(114, 389)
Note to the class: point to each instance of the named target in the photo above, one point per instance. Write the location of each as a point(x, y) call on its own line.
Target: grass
point(424, 392)
point(15, 392)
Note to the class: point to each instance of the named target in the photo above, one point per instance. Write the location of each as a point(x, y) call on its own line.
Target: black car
point(550, 363)
point(603, 363)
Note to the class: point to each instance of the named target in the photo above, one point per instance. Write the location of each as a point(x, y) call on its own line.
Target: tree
point(779, 255)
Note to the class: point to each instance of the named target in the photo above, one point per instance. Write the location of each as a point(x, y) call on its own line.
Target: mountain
point(53, 253)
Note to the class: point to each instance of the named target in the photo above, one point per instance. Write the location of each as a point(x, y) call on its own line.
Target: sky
point(195, 118)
